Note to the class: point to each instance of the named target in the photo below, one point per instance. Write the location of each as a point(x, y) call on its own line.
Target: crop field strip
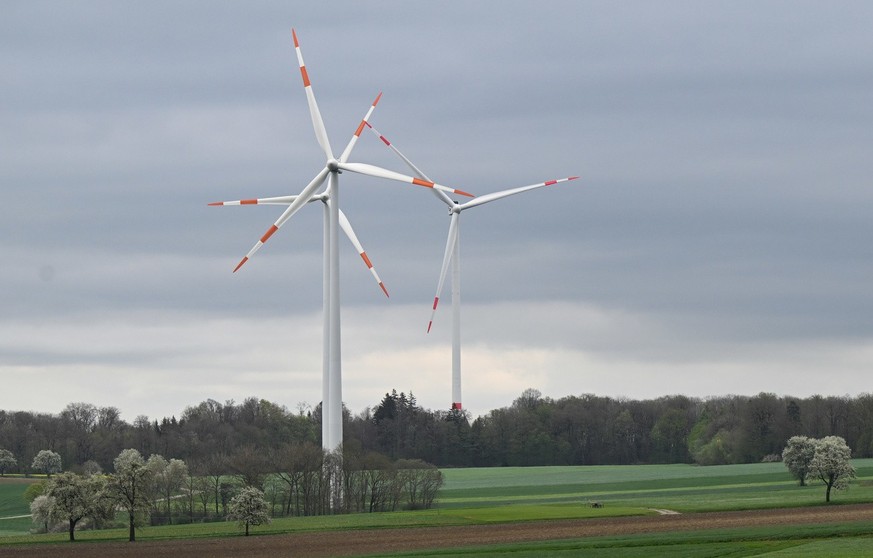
point(478, 497)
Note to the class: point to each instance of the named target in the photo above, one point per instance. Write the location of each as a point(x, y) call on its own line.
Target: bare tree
point(420, 482)
point(250, 465)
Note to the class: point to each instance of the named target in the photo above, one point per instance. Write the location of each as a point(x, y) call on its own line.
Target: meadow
point(519, 495)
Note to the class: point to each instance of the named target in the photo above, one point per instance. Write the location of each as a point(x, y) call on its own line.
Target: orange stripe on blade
point(436, 300)
point(366, 260)
point(248, 202)
point(269, 233)
point(294, 34)
point(305, 76)
point(421, 182)
point(463, 193)
point(360, 128)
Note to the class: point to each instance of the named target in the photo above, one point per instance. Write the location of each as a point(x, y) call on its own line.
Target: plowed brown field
point(363, 542)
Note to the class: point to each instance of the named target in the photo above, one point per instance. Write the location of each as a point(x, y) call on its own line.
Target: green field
point(482, 496)
point(12, 505)
point(684, 488)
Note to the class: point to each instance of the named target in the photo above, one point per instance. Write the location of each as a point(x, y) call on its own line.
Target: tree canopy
point(248, 507)
point(830, 464)
point(533, 430)
point(797, 456)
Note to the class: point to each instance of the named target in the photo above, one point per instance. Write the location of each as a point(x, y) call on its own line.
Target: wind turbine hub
point(333, 165)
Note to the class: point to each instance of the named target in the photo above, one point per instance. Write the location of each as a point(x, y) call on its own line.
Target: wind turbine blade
point(350, 233)
point(447, 259)
point(378, 172)
point(299, 202)
point(506, 193)
point(348, 150)
point(418, 172)
point(317, 122)
point(280, 200)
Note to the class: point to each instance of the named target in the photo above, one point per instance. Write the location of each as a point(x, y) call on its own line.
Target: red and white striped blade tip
point(429, 184)
point(236, 202)
point(240, 264)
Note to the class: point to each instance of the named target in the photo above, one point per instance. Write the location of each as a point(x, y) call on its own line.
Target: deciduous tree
point(248, 508)
point(48, 462)
point(42, 510)
point(831, 465)
point(7, 461)
point(798, 455)
point(130, 483)
point(75, 498)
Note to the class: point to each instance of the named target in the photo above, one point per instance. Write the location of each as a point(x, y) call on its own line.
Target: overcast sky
point(718, 241)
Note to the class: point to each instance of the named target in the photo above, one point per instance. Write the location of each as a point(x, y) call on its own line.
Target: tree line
point(250, 486)
point(533, 430)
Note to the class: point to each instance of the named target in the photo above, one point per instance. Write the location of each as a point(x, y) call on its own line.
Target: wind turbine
point(452, 257)
point(332, 364)
point(346, 226)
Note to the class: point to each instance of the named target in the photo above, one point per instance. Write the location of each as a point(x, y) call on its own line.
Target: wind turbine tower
point(332, 435)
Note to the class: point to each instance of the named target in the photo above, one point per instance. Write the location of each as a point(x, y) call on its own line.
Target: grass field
point(11, 505)
point(488, 496)
point(684, 488)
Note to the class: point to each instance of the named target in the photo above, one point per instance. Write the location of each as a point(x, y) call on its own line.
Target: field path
point(363, 542)
point(664, 512)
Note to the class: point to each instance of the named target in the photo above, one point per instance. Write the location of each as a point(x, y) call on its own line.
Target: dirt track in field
point(364, 542)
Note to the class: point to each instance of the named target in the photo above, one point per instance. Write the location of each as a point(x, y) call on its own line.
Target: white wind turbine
point(332, 365)
point(453, 256)
point(350, 234)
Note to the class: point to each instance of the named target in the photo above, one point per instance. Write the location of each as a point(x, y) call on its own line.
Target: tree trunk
point(132, 533)
point(72, 531)
point(828, 492)
point(247, 528)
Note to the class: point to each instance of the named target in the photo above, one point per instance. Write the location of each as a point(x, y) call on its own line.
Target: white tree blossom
point(130, 482)
point(7, 461)
point(248, 508)
point(798, 455)
point(42, 511)
point(48, 462)
point(831, 464)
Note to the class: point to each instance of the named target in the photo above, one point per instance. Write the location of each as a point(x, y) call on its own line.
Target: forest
point(534, 430)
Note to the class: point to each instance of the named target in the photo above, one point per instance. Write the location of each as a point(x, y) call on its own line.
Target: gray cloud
point(723, 206)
